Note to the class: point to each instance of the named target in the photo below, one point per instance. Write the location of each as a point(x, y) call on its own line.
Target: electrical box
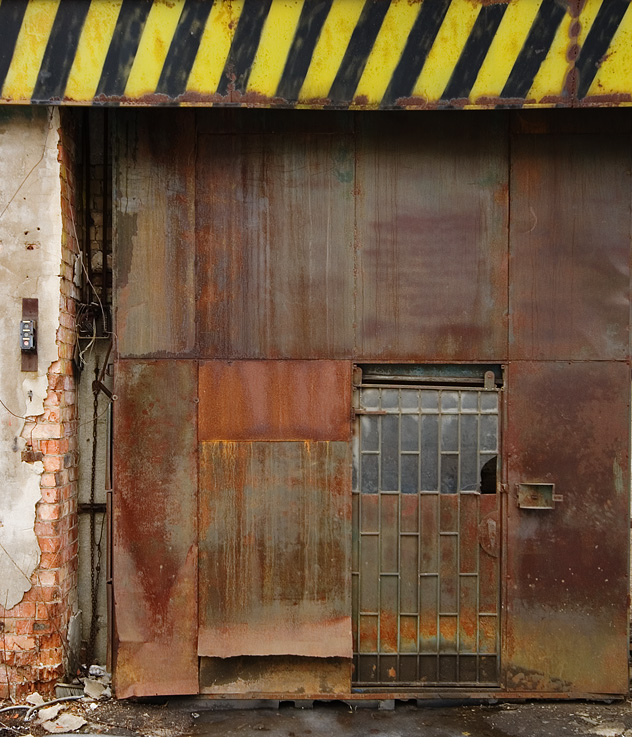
point(27, 335)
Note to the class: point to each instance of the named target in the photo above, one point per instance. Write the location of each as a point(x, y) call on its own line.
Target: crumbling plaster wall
point(30, 237)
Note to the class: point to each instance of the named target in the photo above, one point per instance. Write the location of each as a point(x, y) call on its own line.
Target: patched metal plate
point(275, 400)
point(275, 540)
point(570, 246)
point(154, 232)
point(567, 567)
point(155, 528)
point(274, 229)
point(275, 674)
point(432, 211)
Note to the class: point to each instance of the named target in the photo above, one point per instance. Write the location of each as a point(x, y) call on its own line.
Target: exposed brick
point(32, 646)
point(47, 431)
point(18, 642)
point(55, 447)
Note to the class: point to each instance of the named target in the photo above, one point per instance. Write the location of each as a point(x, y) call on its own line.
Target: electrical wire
point(12, 413)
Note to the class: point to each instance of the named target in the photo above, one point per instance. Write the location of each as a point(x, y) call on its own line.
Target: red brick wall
point(34, 634)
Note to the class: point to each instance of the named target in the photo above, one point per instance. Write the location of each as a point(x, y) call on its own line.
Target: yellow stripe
point(446, 49)
point(387, 50)
point(160, 28)
point(214, 46)
point(274, 47)
point(330, 49)
point(504, 49)
point(29, 50)
point(92, 49)
point(549, 80)
point(614, 76)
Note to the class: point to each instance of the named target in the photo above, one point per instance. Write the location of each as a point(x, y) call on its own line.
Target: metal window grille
point(425, 560)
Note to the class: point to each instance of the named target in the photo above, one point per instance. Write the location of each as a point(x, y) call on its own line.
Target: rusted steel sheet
point(275, 245)
point(570, 245)
point(364, 54)
point(567, 568)
point(154, 232)
point(431, 215)
point(275, 400)
point(155, 528)
point(275, 526)
point(286, 674)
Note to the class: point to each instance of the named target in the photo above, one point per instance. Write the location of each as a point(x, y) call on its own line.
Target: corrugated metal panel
point(155, 528)
point(154, 222)
point(432, 239)
point(275, 539)
point(570, 246)
point(567, 567)
point(275, 246)
point(275, 400)
point(378, 53)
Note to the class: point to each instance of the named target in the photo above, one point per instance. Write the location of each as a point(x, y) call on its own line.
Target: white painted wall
point(30, 258)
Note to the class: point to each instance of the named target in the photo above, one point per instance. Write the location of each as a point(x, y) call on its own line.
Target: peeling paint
point(29, 213)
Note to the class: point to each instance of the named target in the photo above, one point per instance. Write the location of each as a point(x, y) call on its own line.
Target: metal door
point(426, 535)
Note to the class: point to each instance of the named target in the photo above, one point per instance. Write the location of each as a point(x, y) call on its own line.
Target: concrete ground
point(406, 720)
point(177, 718)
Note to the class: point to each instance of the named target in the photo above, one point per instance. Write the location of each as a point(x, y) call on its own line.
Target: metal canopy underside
point(361, 54)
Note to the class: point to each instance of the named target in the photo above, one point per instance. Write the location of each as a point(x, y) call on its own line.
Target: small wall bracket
point(28, 334)
point(538, 496)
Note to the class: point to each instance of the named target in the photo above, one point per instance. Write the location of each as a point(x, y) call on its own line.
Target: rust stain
point(155, 528)
point(275, 400)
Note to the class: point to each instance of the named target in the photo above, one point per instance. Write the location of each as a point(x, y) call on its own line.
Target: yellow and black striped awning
point(317, 53)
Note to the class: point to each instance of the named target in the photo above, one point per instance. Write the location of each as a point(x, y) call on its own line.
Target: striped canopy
point(358, 54)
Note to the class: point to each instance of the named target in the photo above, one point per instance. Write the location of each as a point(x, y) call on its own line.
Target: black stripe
point(184, 47)
point(357, 54)
point(244, 46)
point(120, 57)
point(474, 52)
point(310, 24)
point(597, 42)
point(60, 50)
point(418, 45)
point(11, 17)
point(535, 49)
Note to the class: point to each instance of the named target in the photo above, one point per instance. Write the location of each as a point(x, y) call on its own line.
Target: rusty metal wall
point(324, 239)
point(274, 229)
point(275, 400)
point(431, 221)
point(154, 232)
point(344, 243)
point(570, 239)
point(155, 528)
point(275, 542)
point(567, 567)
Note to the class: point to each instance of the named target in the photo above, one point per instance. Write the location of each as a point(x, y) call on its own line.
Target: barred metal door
point(426, 536)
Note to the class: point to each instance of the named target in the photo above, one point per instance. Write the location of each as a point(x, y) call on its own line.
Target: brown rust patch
point(275, 400)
